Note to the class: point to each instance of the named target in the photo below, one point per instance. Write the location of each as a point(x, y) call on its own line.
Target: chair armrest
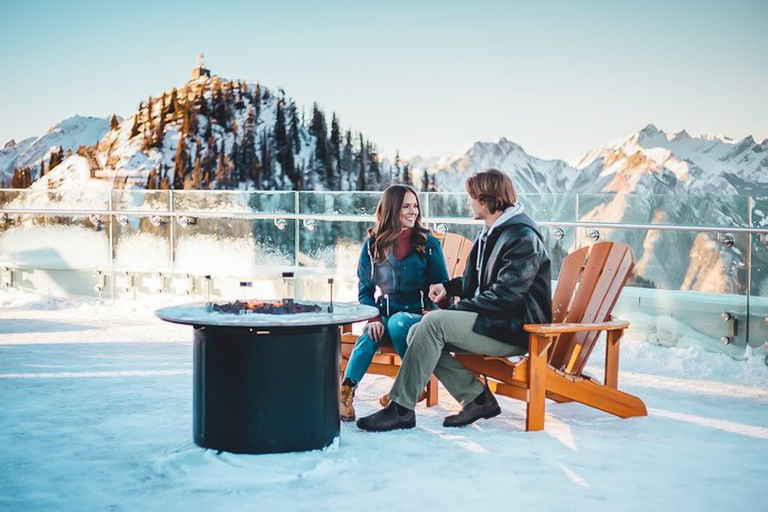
point(555, 329)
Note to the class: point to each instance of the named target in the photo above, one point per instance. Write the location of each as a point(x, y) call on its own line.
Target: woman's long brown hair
point(389, 224)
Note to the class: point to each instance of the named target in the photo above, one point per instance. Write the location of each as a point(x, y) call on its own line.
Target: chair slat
point(566, 283)
point(590, 276)
point(455, 250)
point(617, 271)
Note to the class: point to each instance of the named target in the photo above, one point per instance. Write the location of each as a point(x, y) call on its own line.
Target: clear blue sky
point(428, 77)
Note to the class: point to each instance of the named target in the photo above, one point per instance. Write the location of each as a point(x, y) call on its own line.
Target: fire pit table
point(266, 383)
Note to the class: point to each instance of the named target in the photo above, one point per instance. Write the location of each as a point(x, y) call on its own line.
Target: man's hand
point(437, 292)
point(376, 331)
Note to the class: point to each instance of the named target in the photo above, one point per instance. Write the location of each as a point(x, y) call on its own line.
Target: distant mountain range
point(647, 162)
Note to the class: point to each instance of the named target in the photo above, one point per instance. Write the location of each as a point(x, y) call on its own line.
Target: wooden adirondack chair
point(455, 251)
point(590, 283)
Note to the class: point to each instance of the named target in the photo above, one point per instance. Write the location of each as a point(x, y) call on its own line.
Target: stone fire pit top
point(197, 314)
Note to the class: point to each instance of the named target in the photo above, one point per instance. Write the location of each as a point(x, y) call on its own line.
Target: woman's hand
point(437, 293)
point(376, 331)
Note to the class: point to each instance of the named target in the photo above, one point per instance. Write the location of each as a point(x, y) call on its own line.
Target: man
point(506, 284)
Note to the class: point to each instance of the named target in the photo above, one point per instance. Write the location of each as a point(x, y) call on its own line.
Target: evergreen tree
point(284, 149)
point(202, 102)
point(197, 169)
point(394, 174)
point(374, 169)
point(148, 132)
point(179, 164)
point(221, 169)
point(257, 102)
point(42, 168)
point(318, 129)
point(135, 127)
point(160, 130)
point(425, 181)
point(235, 164)
point(293, 131)
point(248, 149)
point(335, 182)
point(266, 164)
point(151, 179)
point(173, 104)
point(405, 177)
point(432, 184)
point(361, 167)
point(346, 162)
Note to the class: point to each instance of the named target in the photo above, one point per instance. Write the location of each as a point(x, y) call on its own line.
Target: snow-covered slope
point(69, 135)
point(210, 133)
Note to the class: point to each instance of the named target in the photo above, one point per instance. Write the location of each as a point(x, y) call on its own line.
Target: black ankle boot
point(484, 406)
point(392, 417)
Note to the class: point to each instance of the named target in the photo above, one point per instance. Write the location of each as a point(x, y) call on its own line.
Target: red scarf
point(403, 244)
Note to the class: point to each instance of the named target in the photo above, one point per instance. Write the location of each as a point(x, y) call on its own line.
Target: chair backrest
point(455, 250)
point(590, 282)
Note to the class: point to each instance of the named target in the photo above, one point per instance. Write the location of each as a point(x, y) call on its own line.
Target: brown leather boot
point(384, 400)
point(347, 409)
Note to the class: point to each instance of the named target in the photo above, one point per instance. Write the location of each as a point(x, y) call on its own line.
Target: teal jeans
point(396, 329)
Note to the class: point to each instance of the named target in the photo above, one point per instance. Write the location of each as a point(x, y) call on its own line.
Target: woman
point(403, 259)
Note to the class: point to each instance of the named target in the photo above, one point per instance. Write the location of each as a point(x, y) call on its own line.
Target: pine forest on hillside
point(219, 134)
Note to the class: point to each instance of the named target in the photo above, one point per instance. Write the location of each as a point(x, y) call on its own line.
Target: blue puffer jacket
point(404, 284)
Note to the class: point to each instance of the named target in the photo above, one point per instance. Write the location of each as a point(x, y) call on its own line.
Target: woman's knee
point(365, 343)
point(400, 323)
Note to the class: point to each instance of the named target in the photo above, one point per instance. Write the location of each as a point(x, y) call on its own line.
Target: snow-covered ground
point(96, 414)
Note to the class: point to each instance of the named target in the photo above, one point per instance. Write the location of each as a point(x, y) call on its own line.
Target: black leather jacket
point(516, 287)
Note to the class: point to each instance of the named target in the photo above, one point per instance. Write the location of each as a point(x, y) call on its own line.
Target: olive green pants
point(430, 343)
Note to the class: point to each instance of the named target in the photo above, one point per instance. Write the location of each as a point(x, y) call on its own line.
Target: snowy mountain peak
point(649, 130)
point(67, 135)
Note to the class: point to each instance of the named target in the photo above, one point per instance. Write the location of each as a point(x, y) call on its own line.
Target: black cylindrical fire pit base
point(266, 391)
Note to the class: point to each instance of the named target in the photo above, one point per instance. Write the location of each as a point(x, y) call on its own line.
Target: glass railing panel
point(235, 247)
point(549, 207)
point(339, 203)
point(680, 210)
point(448, 204)
point(329, 248)
point(55, 199)
point(142, 242)
point(141, 200)
point(234, 201)
point(55, 242)
point(684, 287)
point(758, 297)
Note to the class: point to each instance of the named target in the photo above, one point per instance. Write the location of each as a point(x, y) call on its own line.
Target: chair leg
point(432, 391)
point(537, 387)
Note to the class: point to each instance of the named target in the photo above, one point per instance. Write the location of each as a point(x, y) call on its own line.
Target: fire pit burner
point(265, 308)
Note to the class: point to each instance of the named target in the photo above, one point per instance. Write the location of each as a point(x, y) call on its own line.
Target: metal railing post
point(296, 208)
point(172, 234)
